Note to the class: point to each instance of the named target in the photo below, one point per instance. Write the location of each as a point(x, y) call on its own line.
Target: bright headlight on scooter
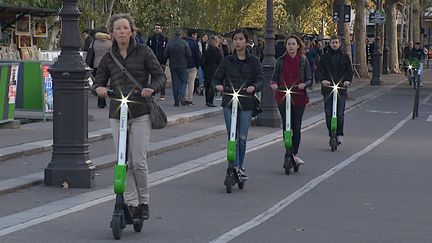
point(335, 87)
point(410, 67)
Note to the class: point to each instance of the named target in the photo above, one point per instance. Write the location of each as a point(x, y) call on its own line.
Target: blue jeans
point(179, 78)
point(243, 122)
point(201, 77)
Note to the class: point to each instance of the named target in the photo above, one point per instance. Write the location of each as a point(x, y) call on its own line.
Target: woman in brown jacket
point(140, 61)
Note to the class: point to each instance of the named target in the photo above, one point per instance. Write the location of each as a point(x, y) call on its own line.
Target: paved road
point(373, 189)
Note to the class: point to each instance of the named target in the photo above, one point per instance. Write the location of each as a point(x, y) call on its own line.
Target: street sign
point(377, 17)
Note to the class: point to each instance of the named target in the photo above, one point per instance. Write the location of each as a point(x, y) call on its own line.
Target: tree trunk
point(403, 33)
point(416, 11)
point(360, 38)
point(108, 12)
point(391, 26)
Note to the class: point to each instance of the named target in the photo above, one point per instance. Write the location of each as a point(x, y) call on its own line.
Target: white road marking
point(429, 118)
point(278, 207)
point(382, 112)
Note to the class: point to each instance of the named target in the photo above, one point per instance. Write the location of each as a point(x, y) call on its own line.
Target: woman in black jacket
point(140, 61)
point(210, 61)
point(236, 72)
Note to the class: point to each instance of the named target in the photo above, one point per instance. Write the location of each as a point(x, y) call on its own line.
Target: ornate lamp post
point(269, 117)
point(70, 157)
point(377, 55)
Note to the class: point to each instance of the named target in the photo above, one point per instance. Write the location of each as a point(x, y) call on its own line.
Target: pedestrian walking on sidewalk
point(292, 71)
point(193, 63)
point(178, 52)
point(101, 45)
point(243, 73)
point(157, 43)
point(140, 61)
point(335, 69)
point(210, 61)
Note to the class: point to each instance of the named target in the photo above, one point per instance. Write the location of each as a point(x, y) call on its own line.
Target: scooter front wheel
point(333, 144)
point(138, 225)
point(229, 181)
point(117, 225)
point(288, 164)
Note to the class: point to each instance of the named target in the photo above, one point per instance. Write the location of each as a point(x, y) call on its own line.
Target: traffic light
point(347, 13)
point(336, 16)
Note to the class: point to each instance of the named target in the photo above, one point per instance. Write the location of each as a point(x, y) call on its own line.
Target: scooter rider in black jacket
point(335, 69)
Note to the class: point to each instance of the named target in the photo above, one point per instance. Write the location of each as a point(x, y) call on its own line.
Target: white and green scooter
point(231, 177)
point(333, 125)
point(121, 216)
point(287, 133)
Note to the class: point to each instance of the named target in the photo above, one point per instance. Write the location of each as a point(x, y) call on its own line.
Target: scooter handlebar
point(112, 93)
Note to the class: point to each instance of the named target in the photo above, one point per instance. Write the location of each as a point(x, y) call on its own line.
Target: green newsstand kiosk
point(8, 86)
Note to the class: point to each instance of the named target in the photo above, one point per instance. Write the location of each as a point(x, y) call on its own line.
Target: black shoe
point(211, 105)
point(176, 104)
point(142, 211)
point(183, 102)
point(132, 211)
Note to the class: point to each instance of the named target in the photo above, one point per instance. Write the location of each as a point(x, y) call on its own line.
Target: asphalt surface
point(374, 188)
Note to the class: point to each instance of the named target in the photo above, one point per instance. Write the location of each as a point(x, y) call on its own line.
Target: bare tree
point(360, 37)
point(391, 31)
point(108, 12)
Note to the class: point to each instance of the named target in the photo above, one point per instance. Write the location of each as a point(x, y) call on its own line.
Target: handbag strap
point(125, 71)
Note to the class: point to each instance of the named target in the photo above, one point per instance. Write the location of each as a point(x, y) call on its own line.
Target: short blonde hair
point(116, 17)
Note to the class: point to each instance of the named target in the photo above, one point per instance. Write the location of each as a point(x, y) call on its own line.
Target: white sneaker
point(340, 139)
point(298, 160)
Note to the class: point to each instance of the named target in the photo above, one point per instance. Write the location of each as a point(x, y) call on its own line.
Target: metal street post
point(386, 69)
point(70, 161)
point(377, 55)
point(269, 116)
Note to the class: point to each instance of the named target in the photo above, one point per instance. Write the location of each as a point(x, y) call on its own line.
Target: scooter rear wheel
point(138, 226)
point(241, 185)
point(117, 226)
point(296, 168)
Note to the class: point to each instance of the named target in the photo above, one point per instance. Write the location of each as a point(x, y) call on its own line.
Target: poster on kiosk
point(48, 91)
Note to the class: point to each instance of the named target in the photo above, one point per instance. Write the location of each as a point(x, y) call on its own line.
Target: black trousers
point(328, 107)
point(209, 93)
point(296, 121)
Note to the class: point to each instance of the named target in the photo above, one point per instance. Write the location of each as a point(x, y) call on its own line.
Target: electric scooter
point(287, 133)
point(333, 125)
point(231, 177)
point(121, 216)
